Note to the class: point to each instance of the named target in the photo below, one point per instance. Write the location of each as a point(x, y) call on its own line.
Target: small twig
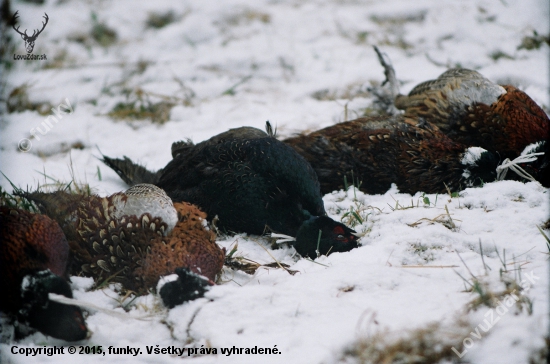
point(267, 251)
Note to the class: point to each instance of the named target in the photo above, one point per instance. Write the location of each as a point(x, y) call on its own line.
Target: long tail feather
point(130, 172)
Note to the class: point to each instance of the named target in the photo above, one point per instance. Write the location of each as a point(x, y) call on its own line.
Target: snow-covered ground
point(303, 65)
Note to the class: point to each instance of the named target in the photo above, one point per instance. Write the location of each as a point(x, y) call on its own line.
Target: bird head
point(321, 235)
point(51, 318)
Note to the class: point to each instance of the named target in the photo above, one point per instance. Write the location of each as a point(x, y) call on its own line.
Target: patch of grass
point(519, 198)
point(498, 54)
point(73, 186)
point(101, 33)
point(398, 206)
point(61, 59)
point(443, 219)
point(140, 107)
point(491, 298)
point(432, 343)
point(394, 29)
point(488, 296)
point(246, 16)
point(160, 20)
point(18, 101)
point(348, 92)
point(361, 37)
point(136, 110)
point(425, 251)
point(7, 199)
point(534, 41)
point(425, 201)
point(395, 20)
point(357, 214)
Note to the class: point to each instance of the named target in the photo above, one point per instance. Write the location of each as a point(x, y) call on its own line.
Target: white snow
point(472, 155)
point(242, 62)
point(531, 147)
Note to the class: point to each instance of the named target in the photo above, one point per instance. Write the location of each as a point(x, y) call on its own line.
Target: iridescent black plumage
point(250, 180)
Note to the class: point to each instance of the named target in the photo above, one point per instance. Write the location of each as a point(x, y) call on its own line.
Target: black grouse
point(252, 182)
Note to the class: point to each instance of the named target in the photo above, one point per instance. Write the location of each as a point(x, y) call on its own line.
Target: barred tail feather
point(130, 172)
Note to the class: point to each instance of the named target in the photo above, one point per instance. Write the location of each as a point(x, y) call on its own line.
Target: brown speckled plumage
point(136, 249)
point(385, 150)
point(30, 242)
point(34, 256)
point(474, 111)
point(189, 245)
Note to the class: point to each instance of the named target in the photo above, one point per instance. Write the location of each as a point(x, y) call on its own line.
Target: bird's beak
point(358, 235)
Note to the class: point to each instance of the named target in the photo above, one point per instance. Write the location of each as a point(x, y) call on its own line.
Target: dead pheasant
point(134, 237)
point(472, 110)
point(379, 151)
point(33, 263)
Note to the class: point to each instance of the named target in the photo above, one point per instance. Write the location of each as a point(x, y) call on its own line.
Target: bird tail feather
point(130, 172)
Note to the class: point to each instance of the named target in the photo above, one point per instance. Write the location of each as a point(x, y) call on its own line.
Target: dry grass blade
point(443, 219)
point(276, 265)
point(450, 218)
point(291, 272)
point(399, 207)
point(241, 263)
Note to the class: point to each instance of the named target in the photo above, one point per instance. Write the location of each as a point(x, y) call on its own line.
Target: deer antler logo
point(29, 40)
